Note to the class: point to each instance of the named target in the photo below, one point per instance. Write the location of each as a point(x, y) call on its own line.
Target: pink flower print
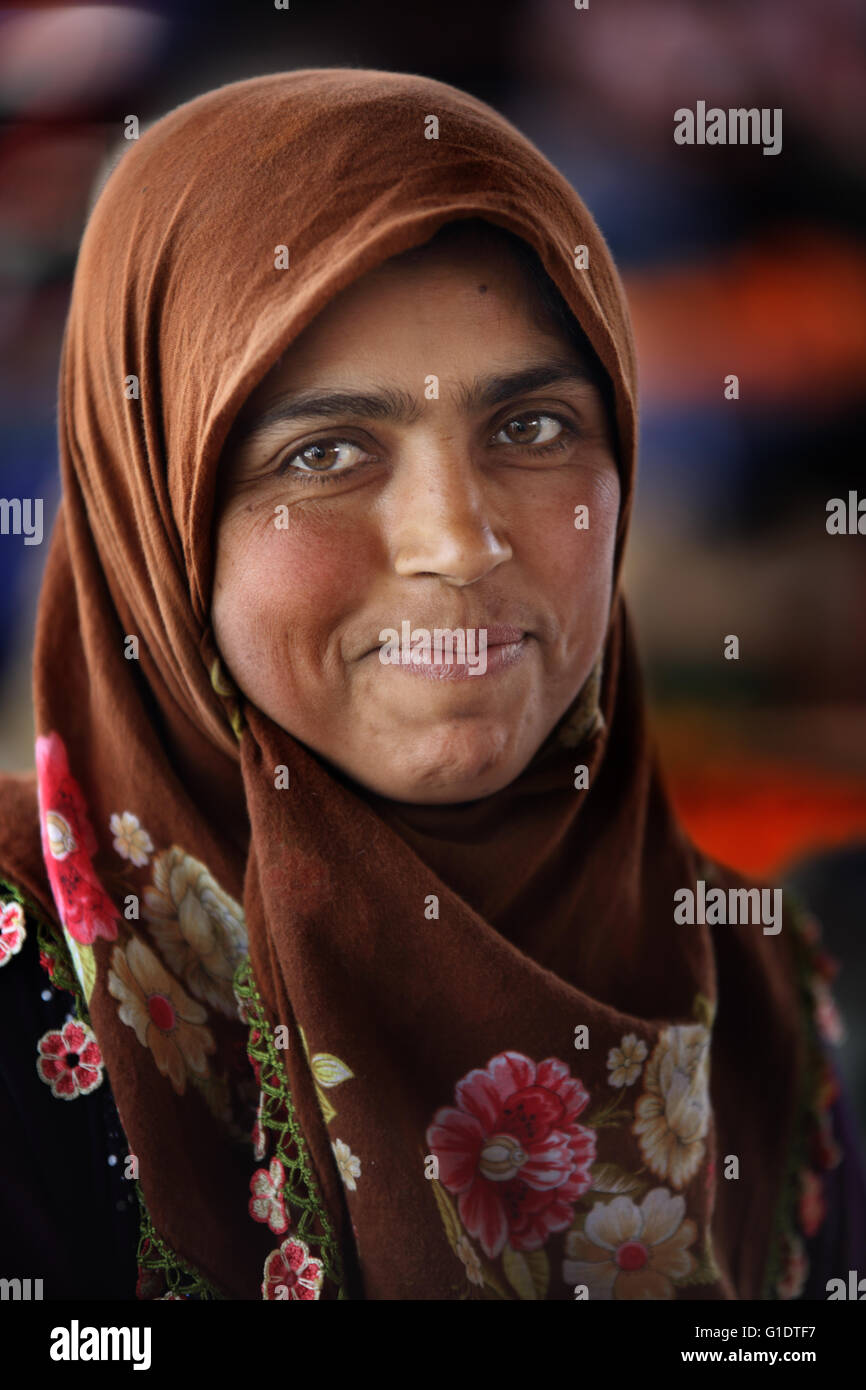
point(70, 1061)
point(68, 843)
point(267, 1202)
point(12, 931)
point(513, 1151)
point(292, 1273)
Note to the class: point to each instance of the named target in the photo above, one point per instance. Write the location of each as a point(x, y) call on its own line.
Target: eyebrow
point(400, 407)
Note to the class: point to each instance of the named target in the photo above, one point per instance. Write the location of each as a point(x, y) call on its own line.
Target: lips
point(497, 635)
point(502, 636)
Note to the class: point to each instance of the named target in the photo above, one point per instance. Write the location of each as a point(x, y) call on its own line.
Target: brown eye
point(529, 429)
point(319, 456)
point(324, 456)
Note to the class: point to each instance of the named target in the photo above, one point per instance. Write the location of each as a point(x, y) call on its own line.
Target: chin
point(456, 766)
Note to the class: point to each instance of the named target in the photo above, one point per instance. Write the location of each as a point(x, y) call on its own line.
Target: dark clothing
point(840, 1243)
point(67, 1214)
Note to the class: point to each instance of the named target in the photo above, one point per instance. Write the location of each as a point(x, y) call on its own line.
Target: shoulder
point(19, 800)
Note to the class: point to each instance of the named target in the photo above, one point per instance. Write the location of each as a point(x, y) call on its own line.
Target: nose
point(441, 519)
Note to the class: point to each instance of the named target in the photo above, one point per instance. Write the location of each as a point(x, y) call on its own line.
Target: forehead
point(453, 306)
point(491, 268)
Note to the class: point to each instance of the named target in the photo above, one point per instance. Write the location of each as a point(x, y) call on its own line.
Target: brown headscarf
point(530, 1093)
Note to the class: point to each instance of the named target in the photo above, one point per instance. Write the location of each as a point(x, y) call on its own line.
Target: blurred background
point(733, 261)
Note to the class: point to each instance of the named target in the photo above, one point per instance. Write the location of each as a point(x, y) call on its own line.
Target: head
point(413, 463)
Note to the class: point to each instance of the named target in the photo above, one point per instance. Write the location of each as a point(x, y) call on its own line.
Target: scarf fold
point(361, 1049)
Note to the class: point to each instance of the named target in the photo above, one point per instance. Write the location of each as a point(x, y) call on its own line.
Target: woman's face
point(416, 458)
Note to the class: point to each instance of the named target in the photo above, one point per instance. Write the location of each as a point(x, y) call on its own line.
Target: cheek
point(282, 591)
point(576, 561)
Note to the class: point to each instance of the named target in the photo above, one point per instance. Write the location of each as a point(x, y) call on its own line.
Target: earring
point(585, 718)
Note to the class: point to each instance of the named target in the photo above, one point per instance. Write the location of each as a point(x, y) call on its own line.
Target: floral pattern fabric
point(198, 928)
point(267, 1203)
point(624, 1063)
point(673, 1114)
point(292, 1273)
point(70, 1061)
point(168, 974)
point(625, 1250)
point(348, 1163)
point(131, 840)
point(513, 1151)
point(523, 1153)
point(162, 1015)
point(12, 931)
point(639, 1244)
point(68, 844)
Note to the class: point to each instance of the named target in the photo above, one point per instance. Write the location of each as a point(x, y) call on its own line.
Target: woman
point(349, 841)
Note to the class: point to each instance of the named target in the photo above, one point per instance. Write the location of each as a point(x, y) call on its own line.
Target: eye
point(324, 456)
point(530, 429)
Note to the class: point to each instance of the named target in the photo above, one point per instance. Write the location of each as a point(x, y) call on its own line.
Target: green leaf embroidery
point(450, 1219)
point(329, 1070)
point(310, 1218)
point(608, 1114)
point(328, 1111)
point(611, 1179)
point(706, 1270)
point(454, 1231)
point(492, 1280)
point(704, 1010)
point(528, 1275)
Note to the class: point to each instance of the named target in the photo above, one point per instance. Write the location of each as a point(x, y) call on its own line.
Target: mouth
point(503, 636)
point(495, 635)
point(446, 654)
